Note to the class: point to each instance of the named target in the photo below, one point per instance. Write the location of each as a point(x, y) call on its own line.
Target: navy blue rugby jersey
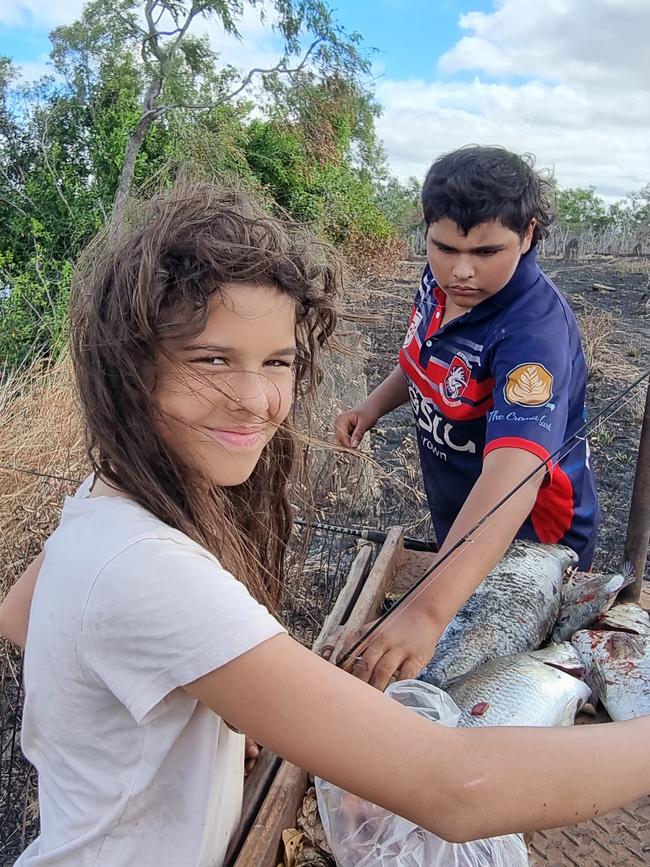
point(508, 373)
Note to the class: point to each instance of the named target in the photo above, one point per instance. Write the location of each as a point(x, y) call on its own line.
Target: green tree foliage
point(135, 97)
point(400, 202)
point(632, 214)
point(319, 158)
point(580, 209)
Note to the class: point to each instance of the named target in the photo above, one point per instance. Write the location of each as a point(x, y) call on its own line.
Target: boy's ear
point(527, 240)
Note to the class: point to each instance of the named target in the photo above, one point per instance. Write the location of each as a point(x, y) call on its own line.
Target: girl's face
point(223, 394)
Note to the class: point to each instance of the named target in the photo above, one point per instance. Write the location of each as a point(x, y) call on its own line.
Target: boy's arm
point(350, 426)
point(14, 610)
point(407, 643)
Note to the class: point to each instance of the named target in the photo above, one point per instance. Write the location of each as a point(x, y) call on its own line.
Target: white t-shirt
point(132, 771)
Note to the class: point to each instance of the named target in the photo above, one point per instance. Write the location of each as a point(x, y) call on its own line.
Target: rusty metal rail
point(638, 526)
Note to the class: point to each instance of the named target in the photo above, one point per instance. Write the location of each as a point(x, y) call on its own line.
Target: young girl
point(193, 330)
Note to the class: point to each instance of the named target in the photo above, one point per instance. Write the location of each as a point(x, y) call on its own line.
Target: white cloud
point(567, 80)
point(42, 13)
point(259, 46)
point(35, 69)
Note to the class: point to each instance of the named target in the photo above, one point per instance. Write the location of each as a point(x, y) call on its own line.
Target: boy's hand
point(399, 650)
point(251, 755)
point(350, 426)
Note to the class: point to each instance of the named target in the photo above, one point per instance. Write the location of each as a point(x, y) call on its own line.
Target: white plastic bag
point(361, 834)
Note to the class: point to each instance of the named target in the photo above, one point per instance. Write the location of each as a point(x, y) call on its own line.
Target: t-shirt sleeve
point(423, 304)
point(161, 614)
point(531, 365)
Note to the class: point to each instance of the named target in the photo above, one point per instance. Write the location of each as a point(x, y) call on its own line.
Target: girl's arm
point(462, 784)
point(14, 610)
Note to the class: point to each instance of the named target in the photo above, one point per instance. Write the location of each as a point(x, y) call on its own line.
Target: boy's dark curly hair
point(475, 184)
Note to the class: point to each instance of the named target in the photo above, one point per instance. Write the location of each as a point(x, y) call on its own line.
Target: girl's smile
point(239, 439)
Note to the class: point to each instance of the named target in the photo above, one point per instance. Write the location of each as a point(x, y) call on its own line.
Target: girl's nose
point(253, 392)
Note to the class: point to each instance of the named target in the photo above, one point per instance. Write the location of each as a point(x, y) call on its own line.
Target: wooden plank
point(279, 811)
point(256, 787)
point(260, 844)
point(347, 597)
point(644, 601)
point(377, 585)
point(412, 565)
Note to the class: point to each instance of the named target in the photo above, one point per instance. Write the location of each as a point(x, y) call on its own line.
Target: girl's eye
point(276, 362)
point(211, 360)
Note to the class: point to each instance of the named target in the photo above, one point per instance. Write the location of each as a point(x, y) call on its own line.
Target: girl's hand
point(350, 426)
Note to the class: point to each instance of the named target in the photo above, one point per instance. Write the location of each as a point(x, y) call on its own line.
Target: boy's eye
point(486, 252)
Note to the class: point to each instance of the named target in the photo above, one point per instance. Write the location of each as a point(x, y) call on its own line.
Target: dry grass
point(40, 433)
point(607, 349)
point(376, 257)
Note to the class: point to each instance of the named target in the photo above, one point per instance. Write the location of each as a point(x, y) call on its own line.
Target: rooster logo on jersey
point(456, 380)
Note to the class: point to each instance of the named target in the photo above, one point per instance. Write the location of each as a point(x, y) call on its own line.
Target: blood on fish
point(480, 708)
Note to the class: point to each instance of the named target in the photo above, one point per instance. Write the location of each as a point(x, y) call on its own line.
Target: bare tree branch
point(57, 186)
point(281, 68)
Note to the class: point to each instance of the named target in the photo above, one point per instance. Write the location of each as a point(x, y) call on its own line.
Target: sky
point(565, 80)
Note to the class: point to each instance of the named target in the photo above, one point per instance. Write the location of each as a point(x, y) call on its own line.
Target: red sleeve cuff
point(527, 446)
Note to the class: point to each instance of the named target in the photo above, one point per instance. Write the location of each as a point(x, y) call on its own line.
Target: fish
point(626, 617)
point(618, 665)
point(586, 595)
point(538, 688)
point(512, 611)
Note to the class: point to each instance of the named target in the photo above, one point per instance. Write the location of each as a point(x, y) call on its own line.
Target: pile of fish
point(489, 662)
point(617, 656)
point(535, 642)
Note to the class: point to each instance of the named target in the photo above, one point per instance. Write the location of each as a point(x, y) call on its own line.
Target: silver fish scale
point(519, 690)
point(584, 597)
point(627, 616)
point(619, 665)
point(512, 611)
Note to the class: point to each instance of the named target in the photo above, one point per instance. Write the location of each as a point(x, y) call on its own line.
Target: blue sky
point(409, 35)
point(25, 43)
point(566, 81)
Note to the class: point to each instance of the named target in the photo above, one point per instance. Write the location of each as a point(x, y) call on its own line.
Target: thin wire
point(481, 525)
point(29, 472)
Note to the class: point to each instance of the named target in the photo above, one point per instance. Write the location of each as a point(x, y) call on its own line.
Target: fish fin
point(627, 571)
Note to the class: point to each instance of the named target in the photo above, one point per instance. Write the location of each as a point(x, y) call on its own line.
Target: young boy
point(494, 370)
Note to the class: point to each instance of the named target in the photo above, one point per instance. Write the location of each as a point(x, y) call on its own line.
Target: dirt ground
point(615, 323)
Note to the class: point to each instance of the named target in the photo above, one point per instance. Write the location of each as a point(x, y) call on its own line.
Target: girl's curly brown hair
point(149, 279)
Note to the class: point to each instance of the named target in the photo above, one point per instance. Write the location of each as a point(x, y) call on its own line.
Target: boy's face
point(470, 268)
